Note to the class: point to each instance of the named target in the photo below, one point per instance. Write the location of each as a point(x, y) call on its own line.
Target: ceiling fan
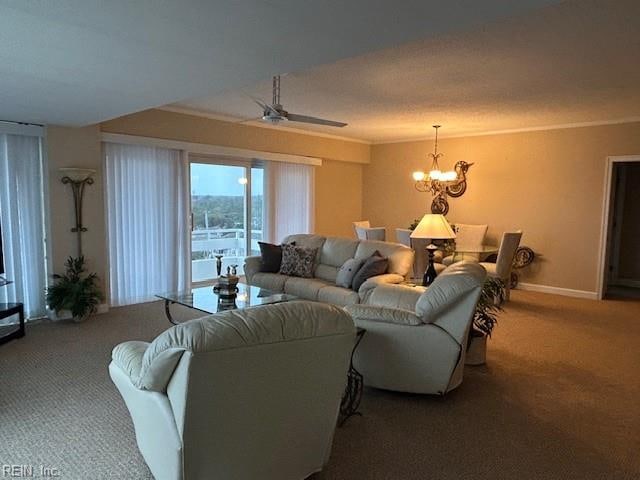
point(274, 113)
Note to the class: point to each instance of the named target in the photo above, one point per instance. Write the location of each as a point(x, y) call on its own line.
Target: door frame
point(608, 205)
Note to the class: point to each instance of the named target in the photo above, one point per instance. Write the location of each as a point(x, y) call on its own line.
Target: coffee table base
point(355, 384)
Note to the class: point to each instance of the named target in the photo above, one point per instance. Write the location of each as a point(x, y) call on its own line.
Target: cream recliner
point(416, 338)
point(242, 394)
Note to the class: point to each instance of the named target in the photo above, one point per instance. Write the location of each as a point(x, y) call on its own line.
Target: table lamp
point(432, 227)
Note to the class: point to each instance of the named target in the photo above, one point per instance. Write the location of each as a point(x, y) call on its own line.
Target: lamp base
point(430, 273)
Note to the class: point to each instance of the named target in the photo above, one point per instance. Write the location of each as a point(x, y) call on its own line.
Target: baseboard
point(626, 282)
point(567, 292)
point(66, 315)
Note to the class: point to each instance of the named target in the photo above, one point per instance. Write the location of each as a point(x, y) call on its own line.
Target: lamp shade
point(433, 227)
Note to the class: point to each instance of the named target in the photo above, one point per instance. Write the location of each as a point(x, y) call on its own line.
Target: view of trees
point(224, 212)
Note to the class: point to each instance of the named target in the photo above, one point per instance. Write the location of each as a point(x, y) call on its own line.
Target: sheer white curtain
point(22, 218)
point(291, 199)
point(146, 221)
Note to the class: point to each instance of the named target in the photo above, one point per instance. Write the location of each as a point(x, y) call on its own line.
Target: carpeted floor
point(559, 399)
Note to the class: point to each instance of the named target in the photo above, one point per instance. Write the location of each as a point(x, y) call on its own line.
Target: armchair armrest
point(128, 357)
point(383, 314)
point(251, 267)
point(367, 287)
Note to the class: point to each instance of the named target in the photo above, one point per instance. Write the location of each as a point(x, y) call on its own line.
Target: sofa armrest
point(128, 357)
point(367, 287)
point(251, 267)
point(383, 314)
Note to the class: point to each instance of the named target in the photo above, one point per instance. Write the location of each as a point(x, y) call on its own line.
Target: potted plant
point(74, 291)
point(484, 320)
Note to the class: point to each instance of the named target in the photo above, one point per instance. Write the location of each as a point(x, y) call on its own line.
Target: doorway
point(227, 214)
point(621, 268)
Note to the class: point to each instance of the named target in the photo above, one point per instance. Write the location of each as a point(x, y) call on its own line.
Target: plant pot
point(477, 351)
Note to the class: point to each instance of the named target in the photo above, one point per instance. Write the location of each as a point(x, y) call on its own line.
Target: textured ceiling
point(577, 62)
point(75, 62)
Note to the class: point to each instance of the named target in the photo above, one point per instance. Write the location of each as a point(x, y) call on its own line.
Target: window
point(227, 211)
point(22, 214)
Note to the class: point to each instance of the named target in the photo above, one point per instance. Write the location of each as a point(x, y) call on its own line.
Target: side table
point(7, 310)
point(355, 383)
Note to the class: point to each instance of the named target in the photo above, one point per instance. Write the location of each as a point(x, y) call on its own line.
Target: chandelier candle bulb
point(418, 176)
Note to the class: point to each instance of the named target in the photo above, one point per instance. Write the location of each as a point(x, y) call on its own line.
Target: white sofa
point(332, 253)
point(416, 338)
point(242, 394)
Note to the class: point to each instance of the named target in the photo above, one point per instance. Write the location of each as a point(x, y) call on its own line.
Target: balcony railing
point(228, 242)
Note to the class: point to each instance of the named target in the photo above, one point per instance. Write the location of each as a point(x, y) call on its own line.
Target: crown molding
point(256, 123)
point(560, 126)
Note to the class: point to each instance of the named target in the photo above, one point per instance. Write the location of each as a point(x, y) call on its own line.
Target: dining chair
point(364, 231)
point(467, 236)
point(403, 236)
point(507, 252)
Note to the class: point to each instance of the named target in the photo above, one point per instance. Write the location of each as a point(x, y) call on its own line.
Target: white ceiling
point(77, 62)
point(577, 62)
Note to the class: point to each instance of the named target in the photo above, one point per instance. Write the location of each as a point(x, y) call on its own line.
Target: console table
point(8, 310)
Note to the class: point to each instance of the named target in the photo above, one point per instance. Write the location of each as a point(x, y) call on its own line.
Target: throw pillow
point(271, 257)
point(347, 271)
point(376, 264)
point(298, 261)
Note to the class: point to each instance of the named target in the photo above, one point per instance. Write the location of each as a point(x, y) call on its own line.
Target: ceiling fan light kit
point(452, 183)
point(275, 113)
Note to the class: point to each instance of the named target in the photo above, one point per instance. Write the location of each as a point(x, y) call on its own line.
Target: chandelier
point(452, 183)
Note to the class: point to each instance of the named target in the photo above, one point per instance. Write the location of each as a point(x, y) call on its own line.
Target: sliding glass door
point(227, 215)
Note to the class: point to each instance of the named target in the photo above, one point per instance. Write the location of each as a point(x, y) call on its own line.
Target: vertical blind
point(146, 221)
point(291, 205)
point(22, 216)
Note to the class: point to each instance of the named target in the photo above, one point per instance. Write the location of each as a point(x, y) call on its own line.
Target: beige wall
point(338, 182)
point(548, 183)
point(76, 147)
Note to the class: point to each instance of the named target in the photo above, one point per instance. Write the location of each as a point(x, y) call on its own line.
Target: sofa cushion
point(347, 271)
point(400, 257)
point(375, 265)
point(298, 261)
point(328, 273)
point(338, 296)
point(306, 288)
point(336, 251)
point(270, 281)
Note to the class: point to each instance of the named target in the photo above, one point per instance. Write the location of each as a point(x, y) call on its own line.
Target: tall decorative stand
point(78, 178)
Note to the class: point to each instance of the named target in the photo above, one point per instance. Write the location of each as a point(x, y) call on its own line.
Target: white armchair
point(416, 338)
point(364, 231)
point(242, 394)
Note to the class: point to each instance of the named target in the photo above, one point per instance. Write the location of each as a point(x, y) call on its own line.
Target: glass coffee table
point(205, 300)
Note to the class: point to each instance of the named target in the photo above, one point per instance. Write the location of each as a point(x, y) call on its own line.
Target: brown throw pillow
point(271, 257)
point(376, 264)
point(298, 261)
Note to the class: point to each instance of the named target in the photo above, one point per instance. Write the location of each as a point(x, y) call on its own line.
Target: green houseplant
point(484, 320)
point(75, 291)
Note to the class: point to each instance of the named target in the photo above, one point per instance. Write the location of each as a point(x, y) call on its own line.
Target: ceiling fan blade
point(294, 117)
